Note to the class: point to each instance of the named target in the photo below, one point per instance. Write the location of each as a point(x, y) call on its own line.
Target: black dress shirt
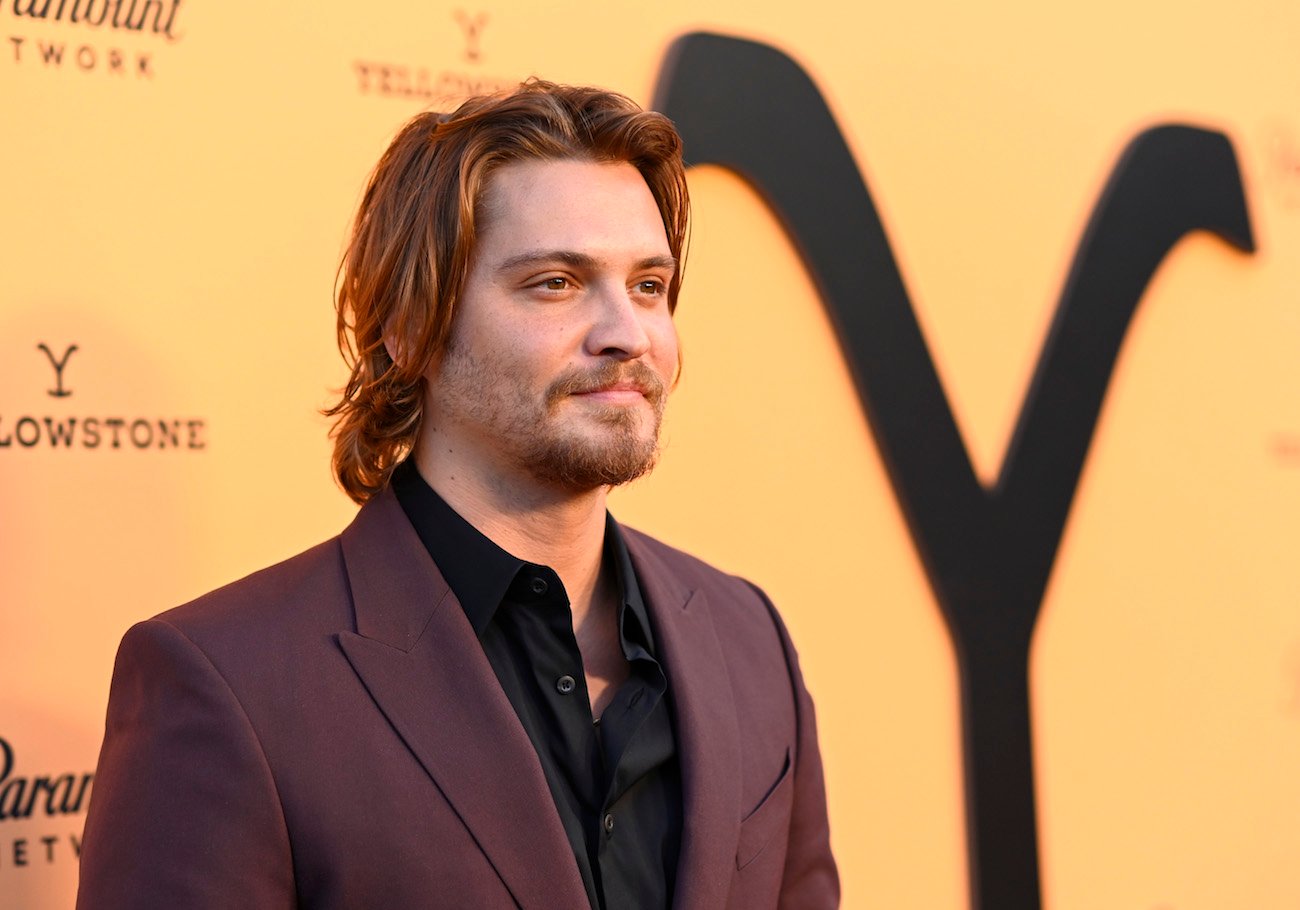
point(615, 779)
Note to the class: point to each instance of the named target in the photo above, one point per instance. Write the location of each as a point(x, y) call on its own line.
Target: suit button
point(565, 685)
point(609, 823)
point(539, 586)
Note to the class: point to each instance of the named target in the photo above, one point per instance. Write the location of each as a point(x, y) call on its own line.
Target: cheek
point(514, 344)
point(665, 350)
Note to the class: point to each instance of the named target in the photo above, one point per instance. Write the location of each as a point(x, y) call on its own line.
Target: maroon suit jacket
point(328, 733)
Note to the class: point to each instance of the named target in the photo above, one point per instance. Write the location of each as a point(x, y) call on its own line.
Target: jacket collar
point(416, 653)
point(413, 645)
point(708, 739)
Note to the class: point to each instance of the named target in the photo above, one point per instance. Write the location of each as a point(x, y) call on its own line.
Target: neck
point(536, 522)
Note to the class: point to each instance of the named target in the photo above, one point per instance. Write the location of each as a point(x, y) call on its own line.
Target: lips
point(612, 397)
point(613, 382)
point(615, 388)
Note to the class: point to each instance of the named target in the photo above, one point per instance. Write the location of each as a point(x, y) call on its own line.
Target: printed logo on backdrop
point(988, 551)
point(439, 88)
point(60, 425)
point(117, 38)
point(48, 801)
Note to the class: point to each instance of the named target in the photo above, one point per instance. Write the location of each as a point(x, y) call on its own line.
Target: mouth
point(619, 385)
point(615, 393)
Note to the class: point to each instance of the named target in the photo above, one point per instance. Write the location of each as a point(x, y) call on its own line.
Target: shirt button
point(539, 586)
point(609, 823)
point(565, 685)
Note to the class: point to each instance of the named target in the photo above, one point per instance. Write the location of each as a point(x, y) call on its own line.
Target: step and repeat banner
point(991, 326)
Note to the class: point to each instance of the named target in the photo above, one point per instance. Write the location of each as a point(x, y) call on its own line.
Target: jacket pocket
point(771, 816)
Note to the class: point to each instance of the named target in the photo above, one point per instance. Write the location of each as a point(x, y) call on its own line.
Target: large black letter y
point(988, 552)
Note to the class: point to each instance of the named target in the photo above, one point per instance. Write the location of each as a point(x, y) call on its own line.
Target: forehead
point(596, 208)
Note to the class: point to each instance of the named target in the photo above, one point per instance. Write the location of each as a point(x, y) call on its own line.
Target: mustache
point(635, 373)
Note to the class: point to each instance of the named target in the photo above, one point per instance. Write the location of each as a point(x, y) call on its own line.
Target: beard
point(619, 453)
point(605, 445)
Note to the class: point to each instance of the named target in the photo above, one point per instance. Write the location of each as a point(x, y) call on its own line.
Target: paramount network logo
point(39, 797)
point(125, 18)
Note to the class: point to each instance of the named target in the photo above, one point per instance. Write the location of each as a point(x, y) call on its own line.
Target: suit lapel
point(419, 658)
point(708, 740)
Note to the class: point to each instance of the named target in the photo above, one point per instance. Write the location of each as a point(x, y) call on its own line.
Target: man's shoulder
point(751, 638)
point(307, 589)
point(692, 573)
point(682, 564)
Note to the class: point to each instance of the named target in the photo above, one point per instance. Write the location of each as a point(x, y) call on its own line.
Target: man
point(485, 692)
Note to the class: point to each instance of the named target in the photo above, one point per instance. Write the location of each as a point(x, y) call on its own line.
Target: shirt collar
point(479, 572)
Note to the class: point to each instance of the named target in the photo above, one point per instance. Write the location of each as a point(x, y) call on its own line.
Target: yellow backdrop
point(177, 178)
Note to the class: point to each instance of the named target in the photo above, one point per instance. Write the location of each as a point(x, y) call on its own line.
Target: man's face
point(562, 347)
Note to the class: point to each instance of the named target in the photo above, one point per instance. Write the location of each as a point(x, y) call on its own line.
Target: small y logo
point(472, 26)
point(58, 363)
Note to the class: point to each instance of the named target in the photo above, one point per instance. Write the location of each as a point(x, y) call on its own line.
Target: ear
point(392, 347)
point(397, 346)
point(405, 352)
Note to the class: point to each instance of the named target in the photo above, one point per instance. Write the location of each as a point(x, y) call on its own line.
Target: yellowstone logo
point(988, 551)
point(123, 18)
point(58, 363)
point(40, 798)
point(472, 25)
point(440, 89)
point(54, 431)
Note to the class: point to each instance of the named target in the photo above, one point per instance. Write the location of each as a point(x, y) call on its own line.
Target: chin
point(589, 461)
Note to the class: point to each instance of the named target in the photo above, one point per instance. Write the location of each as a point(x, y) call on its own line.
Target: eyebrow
point(578, 260)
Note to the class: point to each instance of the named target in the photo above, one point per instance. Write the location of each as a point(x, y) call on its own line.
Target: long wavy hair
point(414, 234)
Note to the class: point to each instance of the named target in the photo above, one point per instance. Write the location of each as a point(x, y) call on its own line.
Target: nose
point(618, 329)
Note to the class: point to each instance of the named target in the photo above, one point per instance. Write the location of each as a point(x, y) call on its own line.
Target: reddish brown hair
point(414, 235)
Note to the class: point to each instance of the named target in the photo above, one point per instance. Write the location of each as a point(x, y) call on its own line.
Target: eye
point(652, 286)
point(551, 284)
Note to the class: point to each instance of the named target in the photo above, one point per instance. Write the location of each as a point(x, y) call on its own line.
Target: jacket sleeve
point(811, 880)
point(184, 811)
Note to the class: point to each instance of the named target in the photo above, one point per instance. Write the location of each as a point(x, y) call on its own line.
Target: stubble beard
point(604, 446)
point(618, 455)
